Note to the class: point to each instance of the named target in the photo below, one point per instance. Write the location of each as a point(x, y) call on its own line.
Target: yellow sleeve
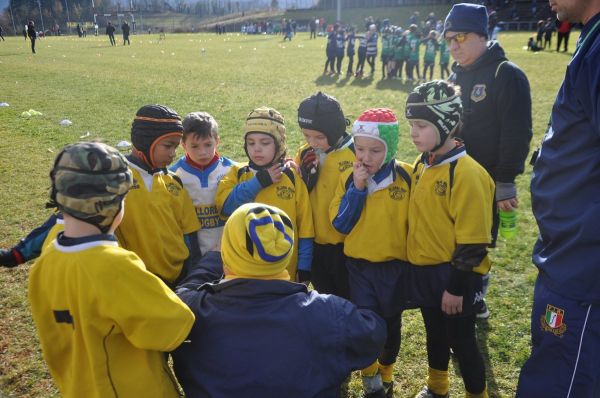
point(149, 314)
point(471, 205)
point(188, 218)
point(226, 185)
point(340, 191)
point(304, 220)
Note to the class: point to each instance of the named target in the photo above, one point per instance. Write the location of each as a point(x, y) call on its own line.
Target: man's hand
point(451, 304)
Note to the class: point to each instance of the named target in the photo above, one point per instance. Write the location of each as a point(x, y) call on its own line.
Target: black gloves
point(264, 178)
point(8, 258)
point(304, 276)
point(309, 169)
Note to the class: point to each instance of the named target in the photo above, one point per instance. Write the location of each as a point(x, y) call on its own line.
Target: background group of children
point(400, 49)
point(359, 224)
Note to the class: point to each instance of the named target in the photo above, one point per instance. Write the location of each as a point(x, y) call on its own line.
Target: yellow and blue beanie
point(258, 242)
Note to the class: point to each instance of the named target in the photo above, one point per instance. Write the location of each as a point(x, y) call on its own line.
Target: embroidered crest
point(478, 93)
point(440, 188)
point(397, 193)
point(285, 193)
point(173, 188)
point(343, 165)
point(552, 321)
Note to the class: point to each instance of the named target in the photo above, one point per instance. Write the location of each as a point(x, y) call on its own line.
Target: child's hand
point(270, 176)
point(310, 163)
point(290, 164)
point(360, 176)
point(451, 304)
point(275, 172)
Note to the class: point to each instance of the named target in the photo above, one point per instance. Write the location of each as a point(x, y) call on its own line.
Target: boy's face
point(423, 135)
point(200, 149)
point(261, 148)
point(316, 139)
point(370, 152)
point(163, 152)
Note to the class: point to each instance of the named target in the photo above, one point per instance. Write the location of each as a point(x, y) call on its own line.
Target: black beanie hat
point(150, 123)
point(323, 113)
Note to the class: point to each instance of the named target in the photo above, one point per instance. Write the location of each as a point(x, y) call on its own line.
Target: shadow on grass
point(362, 82)
point(394, 84)
point(482, 330)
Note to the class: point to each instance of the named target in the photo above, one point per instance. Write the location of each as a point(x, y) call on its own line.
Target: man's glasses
point(459, 38)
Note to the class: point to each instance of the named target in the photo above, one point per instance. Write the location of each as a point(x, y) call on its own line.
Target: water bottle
point(508, 223)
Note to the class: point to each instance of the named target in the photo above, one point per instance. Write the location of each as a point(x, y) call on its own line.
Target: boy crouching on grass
point(371, 207)
point(266, 179)
point(102, 318)
point(449, 231)
point(257, 334)
point(200, 170)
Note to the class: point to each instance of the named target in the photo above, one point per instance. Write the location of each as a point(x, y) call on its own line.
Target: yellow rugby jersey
point(445, 213)
point(53, 233)
point(380, 232)
point(104, 321)
point(290, 196)
point(322, 194)
point(158, 212)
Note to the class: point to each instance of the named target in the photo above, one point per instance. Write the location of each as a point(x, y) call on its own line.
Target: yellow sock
point(371, 370)
point(386, 372)
point(437, 381)
point(483, 394)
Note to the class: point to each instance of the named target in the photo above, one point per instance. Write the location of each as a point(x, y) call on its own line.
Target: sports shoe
point(427, 393)
point(376, 394)
point(389, 389)
point(483, 312)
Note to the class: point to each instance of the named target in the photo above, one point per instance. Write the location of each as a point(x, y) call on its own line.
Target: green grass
point(99, 88)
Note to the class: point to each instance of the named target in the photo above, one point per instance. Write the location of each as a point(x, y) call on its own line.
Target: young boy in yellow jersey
point(103, 320)
point(160, 223)
point(328, 151)
point(200, 170)
point(267, 180)
point(159, 209)
point(371, 207)
point(449, 231)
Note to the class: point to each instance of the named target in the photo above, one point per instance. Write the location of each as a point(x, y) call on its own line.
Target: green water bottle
point(508, 223)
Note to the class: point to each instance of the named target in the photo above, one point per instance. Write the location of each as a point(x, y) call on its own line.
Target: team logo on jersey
point(135, 185)
point(552, 321)
point(344, 165)
point(173, 188)
point(285, 193)
point(478, 93)
point(397, 193)
point(440, 188)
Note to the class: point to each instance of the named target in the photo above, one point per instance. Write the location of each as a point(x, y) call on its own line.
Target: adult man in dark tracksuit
point(32, 34)
point(565, 187)
point(257, 334)
point(125, 30)
point(497, 105)
point(110, 31)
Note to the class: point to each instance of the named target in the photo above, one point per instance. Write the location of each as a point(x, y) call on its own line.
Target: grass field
point(99, 88)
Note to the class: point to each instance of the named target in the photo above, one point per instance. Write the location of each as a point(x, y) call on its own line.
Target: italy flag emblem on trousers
point(552, 321)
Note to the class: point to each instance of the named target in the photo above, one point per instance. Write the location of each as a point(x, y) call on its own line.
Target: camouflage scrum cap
point(89, 181)
point(268, 121)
